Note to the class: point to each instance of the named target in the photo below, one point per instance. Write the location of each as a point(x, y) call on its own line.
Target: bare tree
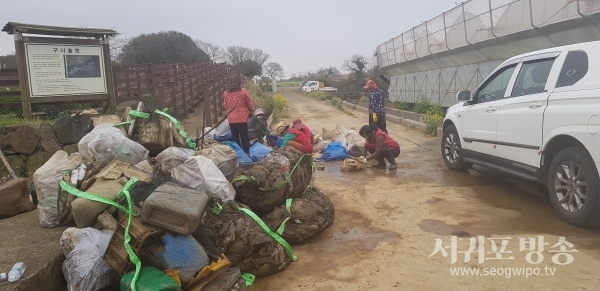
point(215, 52)
point(273, 70)
point(116, 47)
point(357, 65)
point(239, 54)
point(324, 73)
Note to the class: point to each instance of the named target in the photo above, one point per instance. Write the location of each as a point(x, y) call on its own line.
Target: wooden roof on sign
point(14, 27)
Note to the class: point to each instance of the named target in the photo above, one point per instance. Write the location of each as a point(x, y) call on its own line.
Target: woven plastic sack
point(85, 211)
point(266, 184)
point(84, 269)
point(200, 173)
point(179, 252)
point(108, 143)
point(243, 240)
point(150, 279)
point(302, 218)
point(223, 156)
point(47, 180)
point(172, 157)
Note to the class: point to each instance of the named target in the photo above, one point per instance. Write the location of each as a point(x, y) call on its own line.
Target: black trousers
point(380, 122)
point(390, 154)
point(239, 131)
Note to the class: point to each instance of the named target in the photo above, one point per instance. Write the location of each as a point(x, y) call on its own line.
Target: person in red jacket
point(380, 146)
point(303, 128)
point(238, 99)
point(298, 139)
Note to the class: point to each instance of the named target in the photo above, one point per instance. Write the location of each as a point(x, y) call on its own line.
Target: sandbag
point(150, 279)
point(86, 212)
point(223, 156)
point(259, 151)
point(244, 241)
point(47, 179)
point(200, 173)
point(334, 151)
point(179, 252)
point(84, 269)
point(108, 143)
point(171, 158)
point(282, 174)
point(302, 217)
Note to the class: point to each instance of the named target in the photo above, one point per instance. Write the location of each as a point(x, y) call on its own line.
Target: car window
point(495, 88)
point(574, 68)
point(532, 77)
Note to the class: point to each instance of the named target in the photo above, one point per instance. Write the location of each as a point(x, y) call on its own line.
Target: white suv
point(536, 117)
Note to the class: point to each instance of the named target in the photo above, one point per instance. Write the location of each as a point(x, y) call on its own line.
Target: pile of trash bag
point(154, 212)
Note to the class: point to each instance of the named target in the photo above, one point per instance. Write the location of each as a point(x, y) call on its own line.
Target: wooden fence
point(180, 87)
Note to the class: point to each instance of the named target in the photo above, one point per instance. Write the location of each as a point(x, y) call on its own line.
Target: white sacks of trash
point(200, 173)
point(84, 268)
point(108, 143)
point(172, 157)
point(47, 182)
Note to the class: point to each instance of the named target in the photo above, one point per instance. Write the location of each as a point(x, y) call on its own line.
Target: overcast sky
point(300, 35)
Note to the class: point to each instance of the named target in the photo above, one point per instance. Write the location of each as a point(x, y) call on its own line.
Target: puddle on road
point(441, 228)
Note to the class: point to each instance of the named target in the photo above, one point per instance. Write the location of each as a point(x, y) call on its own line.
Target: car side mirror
point(464, 96)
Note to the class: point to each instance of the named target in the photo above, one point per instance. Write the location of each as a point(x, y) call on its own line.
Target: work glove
point(374, 117)
point(362, 159)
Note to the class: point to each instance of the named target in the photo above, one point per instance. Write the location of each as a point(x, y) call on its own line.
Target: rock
point(70, 129)
point(20, 139)
point(72, 148)
point(37, 160)
point(18, 165)
point(15, 198)
point(48, 139)
point(24, 140)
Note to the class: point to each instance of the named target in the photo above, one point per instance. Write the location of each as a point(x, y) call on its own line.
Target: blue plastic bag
point(239, 152)
point(334, 151)
point(274, 139)
point(259, 151)
point(181, 252)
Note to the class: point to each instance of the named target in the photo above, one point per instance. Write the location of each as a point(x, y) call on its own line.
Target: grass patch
point(11, 119)
point(289, 83)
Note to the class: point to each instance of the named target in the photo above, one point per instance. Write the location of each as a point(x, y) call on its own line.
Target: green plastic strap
point(122, 123)
point(275, 236)
point(189, 142)
point(249, 278)
point(217, 209)
point(288, 207)
point(288, 176)
point(140, 114)
point(124, 193)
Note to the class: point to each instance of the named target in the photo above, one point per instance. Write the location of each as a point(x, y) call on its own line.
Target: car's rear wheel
point(573, 185)
point(452, 151)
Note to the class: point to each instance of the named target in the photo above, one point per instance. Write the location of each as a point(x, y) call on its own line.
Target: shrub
point(433, 119)
point(318, 95)
point(422, 106)
point(336, 101)
point(402, 106)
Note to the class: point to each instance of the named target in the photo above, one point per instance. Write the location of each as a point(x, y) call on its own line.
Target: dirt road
point(386, 225)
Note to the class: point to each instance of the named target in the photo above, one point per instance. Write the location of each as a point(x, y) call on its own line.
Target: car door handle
point(491, 109)
point(535, 104)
